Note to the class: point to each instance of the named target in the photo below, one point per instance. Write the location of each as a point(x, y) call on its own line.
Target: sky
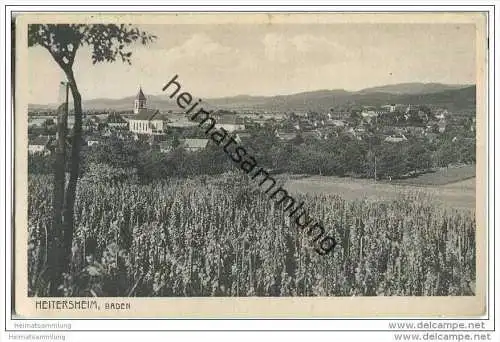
point(257, 59)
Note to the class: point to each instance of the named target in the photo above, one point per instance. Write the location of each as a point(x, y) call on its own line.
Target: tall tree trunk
point(55, 261)
point(70, 195)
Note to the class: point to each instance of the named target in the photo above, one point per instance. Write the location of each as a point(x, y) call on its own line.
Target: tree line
point(342, 155)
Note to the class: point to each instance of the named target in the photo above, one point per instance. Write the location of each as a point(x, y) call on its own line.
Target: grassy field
point(452, 188)
point(442, 176)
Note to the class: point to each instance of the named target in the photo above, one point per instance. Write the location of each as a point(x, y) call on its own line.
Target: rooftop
point(140, 95)
point(115, 118)
point(194, 143)
point(148, 114)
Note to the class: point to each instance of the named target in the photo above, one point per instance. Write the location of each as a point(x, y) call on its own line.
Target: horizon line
point(462, 85)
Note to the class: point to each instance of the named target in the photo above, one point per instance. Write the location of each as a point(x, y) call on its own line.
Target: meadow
point(452, 188)
point(221, 236)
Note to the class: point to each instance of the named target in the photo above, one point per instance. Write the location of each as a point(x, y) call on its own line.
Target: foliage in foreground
point(225, 238)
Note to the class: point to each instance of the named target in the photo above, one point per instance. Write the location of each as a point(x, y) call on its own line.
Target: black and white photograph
point(253, 158)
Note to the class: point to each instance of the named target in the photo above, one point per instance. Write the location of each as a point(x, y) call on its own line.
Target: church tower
point(140, 102)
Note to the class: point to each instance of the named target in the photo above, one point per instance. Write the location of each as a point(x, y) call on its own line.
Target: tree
point(446, 153)
point(374, 141)
point(175, 141)
point(352, 153)
point(467, 151)
point(425, 109)
point(108, 43)
point(298, 139)
point(356, 117)
point(393, 161)
point(419, 158)
point(116, 152)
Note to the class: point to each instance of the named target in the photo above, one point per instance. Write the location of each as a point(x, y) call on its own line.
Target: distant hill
point(462, 99)
point(452, 97)
point(413, 88)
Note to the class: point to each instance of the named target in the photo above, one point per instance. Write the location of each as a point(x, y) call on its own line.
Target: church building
point(144, 120)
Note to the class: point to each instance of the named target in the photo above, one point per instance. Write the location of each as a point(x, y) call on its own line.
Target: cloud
point(276, 47)
point(202, 48)
point(203, 64)
point(305, 48)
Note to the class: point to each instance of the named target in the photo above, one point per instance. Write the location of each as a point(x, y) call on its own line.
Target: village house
point(228, 121)
point(194, 145)
point(369, 114)
point(40, 144)
point(115, 120)
point(411, 109)
point(285, 135)
point(92, 123)
point(93, 140)
point(337, 123)
point(423, 116)
point(399, 130)
point(391, 108)
point(417, 130)
point(338, 115)
point(395, 138)
point(242, 135)
point(440, 114)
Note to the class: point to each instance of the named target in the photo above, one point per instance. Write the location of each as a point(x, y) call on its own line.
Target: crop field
point(223, 237)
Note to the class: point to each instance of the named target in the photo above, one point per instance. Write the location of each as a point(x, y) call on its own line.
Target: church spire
point(140, 95)
point(140, 102)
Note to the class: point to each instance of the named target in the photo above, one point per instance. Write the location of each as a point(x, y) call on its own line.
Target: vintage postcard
point(250, 165)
